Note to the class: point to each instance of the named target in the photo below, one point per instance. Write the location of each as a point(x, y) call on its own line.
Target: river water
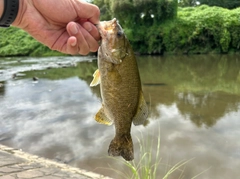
point(47, 108)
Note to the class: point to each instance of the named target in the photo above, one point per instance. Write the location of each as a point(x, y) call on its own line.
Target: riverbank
point(16, 42)
point(15, 163)
point(195, 30)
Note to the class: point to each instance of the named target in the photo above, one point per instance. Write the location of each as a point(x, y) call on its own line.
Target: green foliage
point(186, 3)
point(16, 42)
point(152, 26)
point(104, 6)
point(144, 12)
point(139, 18)
point(212, 27)
point(132, 12)
point(142, 27)
point(229, 4)
point(201, 29)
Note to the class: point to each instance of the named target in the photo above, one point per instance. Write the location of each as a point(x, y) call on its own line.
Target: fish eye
point(119, 34)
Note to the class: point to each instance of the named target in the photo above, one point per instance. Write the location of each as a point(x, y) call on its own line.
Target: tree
point(187, 3)
point(139, 18)
point(104, 6)
point(147, 12)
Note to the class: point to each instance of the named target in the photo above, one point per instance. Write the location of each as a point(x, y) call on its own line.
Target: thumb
point(89, 12)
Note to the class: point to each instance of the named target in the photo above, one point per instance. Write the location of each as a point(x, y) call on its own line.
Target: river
point(47, 108)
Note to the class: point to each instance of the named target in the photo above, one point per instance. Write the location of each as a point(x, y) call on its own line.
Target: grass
point(148, 165)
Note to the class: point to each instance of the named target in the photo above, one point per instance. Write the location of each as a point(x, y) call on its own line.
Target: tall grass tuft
point(148, 165)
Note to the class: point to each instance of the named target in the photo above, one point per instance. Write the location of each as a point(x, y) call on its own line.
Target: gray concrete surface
point(16, 164)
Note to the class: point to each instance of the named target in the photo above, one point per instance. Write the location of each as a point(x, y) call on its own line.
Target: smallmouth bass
point(120, 86)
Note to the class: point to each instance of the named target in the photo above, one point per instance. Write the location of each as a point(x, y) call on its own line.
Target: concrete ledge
point(16, 164)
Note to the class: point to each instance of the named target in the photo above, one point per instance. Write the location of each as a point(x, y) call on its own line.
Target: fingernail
point(88, 27)
point(74, 30)
point(74, 44)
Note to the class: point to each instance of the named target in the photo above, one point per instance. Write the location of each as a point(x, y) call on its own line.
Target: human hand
point(63, 25)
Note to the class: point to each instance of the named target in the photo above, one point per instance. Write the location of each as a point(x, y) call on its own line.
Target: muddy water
point(194, 103)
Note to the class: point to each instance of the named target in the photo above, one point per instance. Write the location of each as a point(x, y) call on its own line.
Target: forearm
point(1, 8)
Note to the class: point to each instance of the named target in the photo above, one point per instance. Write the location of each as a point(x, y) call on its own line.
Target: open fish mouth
point(104, 26)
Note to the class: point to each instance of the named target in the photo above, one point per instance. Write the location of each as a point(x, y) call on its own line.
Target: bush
point(16, 42)
point(200, 29)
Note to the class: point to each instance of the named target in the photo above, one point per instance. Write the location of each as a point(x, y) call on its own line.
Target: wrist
point(9, 12)
point(22, 8)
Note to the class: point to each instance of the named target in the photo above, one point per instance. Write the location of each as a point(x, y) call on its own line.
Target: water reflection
point(195, 100)
point(2, 88)
point(204, 89)
point(207, 109)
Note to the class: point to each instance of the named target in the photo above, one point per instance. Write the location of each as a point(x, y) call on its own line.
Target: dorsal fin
point(142, 112)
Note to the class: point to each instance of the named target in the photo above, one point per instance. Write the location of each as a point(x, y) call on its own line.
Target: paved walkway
point(15, 164)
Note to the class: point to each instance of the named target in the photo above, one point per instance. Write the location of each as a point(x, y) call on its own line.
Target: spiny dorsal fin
point(101, 118)
point(142, 111)
point(96, 78)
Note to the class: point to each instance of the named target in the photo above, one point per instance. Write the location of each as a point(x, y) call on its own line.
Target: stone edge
point(46, 162)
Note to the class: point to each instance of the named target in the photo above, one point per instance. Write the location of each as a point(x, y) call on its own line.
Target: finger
point(72, 47)
point(91, 42)
point(86, 42)
point(92, 30)
point(75, 30)
point(88, 11)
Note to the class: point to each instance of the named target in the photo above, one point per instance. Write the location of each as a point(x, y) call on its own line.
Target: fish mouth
point(105, 26)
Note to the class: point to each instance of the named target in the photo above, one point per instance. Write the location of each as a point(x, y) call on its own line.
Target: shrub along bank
point(16, 42)
point(195, 30)
point(200, 30)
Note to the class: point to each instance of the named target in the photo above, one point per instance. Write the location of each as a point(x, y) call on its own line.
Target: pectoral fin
point(142, 112)
point(102, 118)
point(96, 78)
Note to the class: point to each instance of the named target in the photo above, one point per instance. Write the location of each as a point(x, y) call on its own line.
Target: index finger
point(88, 11)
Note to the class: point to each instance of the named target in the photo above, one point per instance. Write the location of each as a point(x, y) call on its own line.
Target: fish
point(123, 102)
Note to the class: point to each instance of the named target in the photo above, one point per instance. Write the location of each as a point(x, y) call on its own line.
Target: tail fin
point(122, 146)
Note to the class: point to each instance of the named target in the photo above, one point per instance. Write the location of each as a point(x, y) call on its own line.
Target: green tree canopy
point(139, 17)
point(130, 12)
point(229, 4)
